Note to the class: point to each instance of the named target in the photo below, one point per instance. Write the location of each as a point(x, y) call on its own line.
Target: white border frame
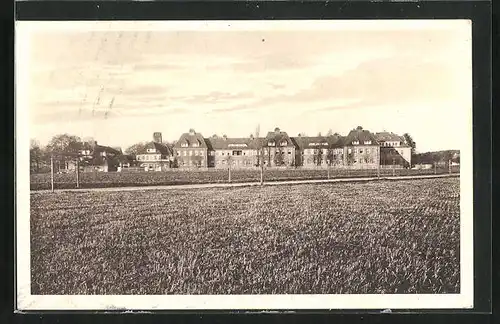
point(26, 301)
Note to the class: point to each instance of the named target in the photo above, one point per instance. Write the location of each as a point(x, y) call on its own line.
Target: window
point(349, 150)
point(270, 144)
point(355, 142)
point(196, 153)
point(178, 153)
point(360, 151)
point(184, 153)
point(184, 145)
point(151, 150)
point(368, 142)
point(190, 153)
point(196, 145)
point(289, 152)
point(201, 153)
point(284, 143)
point(367, 151)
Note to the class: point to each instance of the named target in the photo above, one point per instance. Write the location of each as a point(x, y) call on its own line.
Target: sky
point(119, 85)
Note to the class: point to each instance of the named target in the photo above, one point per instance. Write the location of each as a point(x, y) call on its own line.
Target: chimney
point(277, 130)
point(191, 131)
point(157, 137)
point(251, 136)
point(93, 144)
point(359, 128)
point(224, 137)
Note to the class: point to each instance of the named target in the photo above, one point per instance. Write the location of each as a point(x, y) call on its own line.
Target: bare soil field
point(375, 237)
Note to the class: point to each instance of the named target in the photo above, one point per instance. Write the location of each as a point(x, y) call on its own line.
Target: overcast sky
point(121, 86)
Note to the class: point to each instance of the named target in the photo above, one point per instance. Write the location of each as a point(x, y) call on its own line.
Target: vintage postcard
point(244, 165)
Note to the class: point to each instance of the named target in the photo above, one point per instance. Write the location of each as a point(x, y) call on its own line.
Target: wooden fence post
point(78, 172)
point(261, 167)
point(52, 173)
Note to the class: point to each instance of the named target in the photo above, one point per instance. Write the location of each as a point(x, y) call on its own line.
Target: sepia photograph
point(244, 164)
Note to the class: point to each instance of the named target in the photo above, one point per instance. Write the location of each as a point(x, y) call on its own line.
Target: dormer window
point(103, 153)
point(368, 142)
point(184, 144)
point(270, 144)
point(196, 144)
point(355, 142)
point(151, 150)
point(284, 143)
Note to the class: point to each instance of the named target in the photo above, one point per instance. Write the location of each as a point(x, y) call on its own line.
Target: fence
point(198, 176)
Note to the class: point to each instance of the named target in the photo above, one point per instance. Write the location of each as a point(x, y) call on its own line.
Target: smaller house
point(95, 157)
point(155, 157)
point(393, 149)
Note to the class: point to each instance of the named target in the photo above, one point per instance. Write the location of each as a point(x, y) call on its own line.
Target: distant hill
point(437, 156)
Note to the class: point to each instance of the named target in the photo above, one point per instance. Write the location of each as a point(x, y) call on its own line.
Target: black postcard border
point(478, 11)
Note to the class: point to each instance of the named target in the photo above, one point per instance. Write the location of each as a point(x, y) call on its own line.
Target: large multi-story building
point(359, 149)
point(319, 151)
point(278, 149)
point(191, 151)
point(237, 152)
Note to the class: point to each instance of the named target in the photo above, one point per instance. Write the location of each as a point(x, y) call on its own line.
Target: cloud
point(213, 97)
point(272, 62)
point(380, 81)
point(158, 66)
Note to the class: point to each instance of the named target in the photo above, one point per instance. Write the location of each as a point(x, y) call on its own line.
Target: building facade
point(394, 151)
point(361, 149)
point(278, 149)
point(95, 157)
point(191, 151)
point(319, 151)
point(235, 152)
point(156, 156)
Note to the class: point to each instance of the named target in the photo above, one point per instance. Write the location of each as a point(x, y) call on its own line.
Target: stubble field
point(375, 237)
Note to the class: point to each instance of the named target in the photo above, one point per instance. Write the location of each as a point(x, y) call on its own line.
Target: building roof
point(362, 136)
point(96, 148)
point(278, 136)
point(162, 148)
point(388, 137)
point(191, 138)
point(228, 143)
point(305, 142)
